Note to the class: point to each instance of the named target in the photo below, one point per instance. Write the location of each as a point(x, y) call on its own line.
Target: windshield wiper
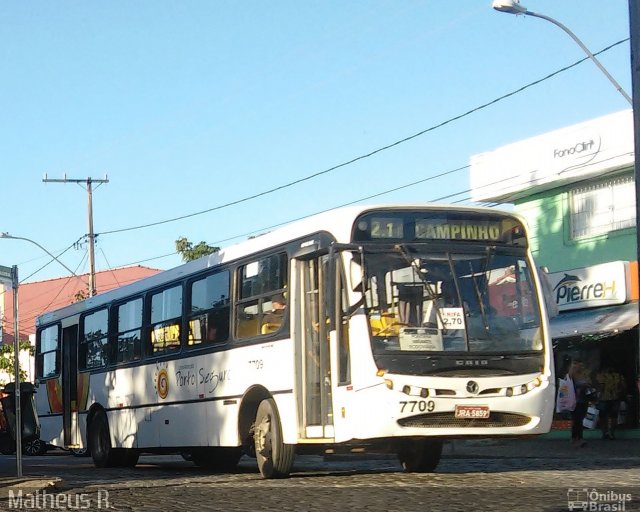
point(476, 288)
point(430, 294)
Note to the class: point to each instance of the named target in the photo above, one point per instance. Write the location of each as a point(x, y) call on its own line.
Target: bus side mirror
point(547, 291)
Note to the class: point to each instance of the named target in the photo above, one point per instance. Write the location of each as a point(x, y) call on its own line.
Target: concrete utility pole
point(634, 33)
point(88, 182)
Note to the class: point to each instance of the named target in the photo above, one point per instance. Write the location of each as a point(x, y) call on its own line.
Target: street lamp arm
point(585, 49)
point(7, 235)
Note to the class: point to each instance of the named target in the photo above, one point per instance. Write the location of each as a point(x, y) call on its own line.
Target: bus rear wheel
point(420, 456)
point(275, 459)
point(103, 454)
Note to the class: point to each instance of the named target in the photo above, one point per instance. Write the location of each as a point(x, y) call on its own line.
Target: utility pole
point(88, 182)
point(634, 33)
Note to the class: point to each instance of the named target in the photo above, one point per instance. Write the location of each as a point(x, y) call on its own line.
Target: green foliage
point(190, 252)
point(81, 295)
point(7, 359)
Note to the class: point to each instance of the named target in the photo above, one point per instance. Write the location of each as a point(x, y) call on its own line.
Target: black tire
point(217, 459)
point(421, 456)
point(35, 447)
point(100, 441)
point(126, 457)
point(275, 459)
point(103, 454)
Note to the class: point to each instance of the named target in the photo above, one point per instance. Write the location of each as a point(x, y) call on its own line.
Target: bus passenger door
point(70, 386)
point(313, 374)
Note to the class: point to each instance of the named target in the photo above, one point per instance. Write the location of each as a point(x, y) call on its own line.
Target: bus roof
point(338, 222)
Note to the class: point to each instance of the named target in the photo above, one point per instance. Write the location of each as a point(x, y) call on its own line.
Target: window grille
point(602, 207)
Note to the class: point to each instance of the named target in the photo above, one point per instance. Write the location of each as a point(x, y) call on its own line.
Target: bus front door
point(70, 386)
point(312, 348)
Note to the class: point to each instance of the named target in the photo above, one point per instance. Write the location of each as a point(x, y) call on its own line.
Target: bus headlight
point(524, 388)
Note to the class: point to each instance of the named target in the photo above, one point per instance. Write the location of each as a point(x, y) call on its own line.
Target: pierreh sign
point(598, 285)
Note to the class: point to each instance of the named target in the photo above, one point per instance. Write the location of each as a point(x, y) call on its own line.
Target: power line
point(367, 155)
point(440, 198)
point(553, 204)
point(51, 261)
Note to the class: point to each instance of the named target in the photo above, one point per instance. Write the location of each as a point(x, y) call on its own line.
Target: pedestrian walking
point(582, 386)
point(612, 390)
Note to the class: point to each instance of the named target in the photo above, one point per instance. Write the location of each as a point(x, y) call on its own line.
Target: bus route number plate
point(475, 412)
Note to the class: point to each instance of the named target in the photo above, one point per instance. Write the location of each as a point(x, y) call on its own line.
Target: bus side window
point(166, 314)
point(261, 305)
point(47, 353)
point(94, 340)
point(210, 309)
point(129, 340)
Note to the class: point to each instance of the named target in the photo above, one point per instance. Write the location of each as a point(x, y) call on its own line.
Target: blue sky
point(189, 105)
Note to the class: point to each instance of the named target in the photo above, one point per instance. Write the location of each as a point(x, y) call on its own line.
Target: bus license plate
point(476, 412)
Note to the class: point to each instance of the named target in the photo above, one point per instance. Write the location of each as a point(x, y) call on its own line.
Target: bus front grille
point(448, 420)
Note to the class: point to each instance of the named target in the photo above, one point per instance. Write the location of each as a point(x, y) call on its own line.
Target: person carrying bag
point(566, 399)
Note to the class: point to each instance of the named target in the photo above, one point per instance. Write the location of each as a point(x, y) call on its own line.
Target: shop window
point(129, 337)
point(261, 305)
point(210, 310)
point(94, 340)
point(48, 359)
point(166, 317)
point(602, 207)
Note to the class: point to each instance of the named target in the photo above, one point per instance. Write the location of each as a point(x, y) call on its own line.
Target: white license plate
point(476, 412)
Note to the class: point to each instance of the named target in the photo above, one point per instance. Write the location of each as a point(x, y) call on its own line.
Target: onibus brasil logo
point(594, 500)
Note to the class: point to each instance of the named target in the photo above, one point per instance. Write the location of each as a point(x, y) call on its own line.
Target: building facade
point(575, 187)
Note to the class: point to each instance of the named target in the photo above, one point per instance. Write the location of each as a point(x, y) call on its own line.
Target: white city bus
point(401, 327)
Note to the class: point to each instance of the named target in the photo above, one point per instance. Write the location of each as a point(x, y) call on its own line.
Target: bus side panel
point(51, 430)
point(286, 404)
point(269, 366)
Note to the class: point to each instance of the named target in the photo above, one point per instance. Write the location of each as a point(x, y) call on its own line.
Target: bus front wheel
point(275, 459)
point(420, 456)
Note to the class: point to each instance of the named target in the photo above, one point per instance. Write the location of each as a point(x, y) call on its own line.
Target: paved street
point(510, 475)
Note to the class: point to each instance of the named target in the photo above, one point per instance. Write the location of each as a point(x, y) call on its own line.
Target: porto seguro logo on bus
point(162, 381)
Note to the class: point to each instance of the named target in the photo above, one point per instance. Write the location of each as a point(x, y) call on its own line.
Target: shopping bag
point(591, 418)
point(566, 399)
point(622, 413)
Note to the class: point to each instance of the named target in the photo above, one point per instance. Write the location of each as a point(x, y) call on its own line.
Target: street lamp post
point(514, 7)
point(7, 235)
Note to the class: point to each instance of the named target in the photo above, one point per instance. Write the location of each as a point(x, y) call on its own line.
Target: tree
point(190, 252)
point(7, 360)
point(81, 295)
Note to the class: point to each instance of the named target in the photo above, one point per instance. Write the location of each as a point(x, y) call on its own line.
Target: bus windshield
point(480, 300)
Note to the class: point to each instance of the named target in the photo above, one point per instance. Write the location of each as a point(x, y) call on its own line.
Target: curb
point(28, 485)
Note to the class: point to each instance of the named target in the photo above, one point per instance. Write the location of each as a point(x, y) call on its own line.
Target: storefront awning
point(597, 322)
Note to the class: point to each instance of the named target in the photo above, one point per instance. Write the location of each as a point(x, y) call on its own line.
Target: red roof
point(38, 297)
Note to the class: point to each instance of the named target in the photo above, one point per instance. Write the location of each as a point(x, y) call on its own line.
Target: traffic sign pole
point(16, 367)
point(9, 275)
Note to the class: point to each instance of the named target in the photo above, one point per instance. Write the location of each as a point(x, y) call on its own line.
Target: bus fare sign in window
point(386, 228)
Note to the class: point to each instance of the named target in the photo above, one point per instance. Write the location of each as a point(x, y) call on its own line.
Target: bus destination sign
point(457, 230)
point(420, 226)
